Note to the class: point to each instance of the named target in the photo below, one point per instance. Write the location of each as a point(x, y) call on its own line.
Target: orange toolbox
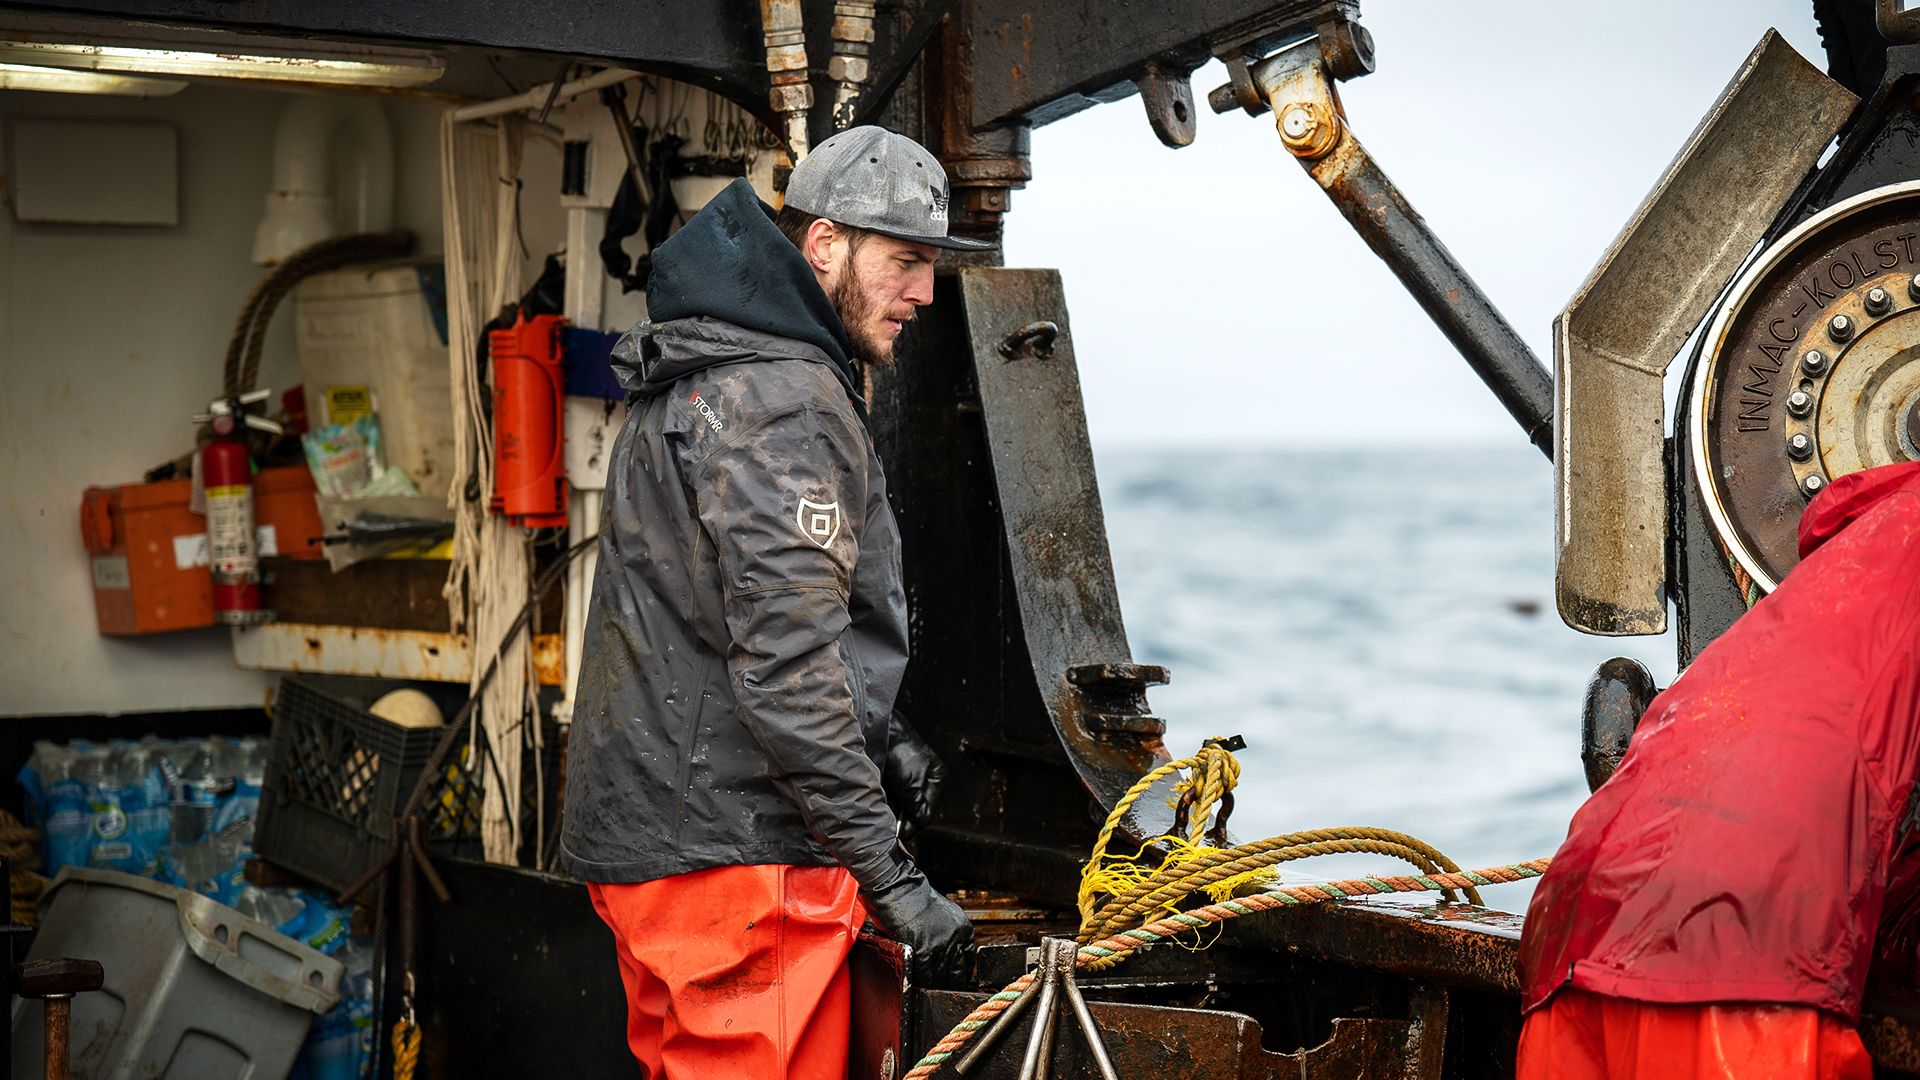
point(149, 551)
point(286, 514)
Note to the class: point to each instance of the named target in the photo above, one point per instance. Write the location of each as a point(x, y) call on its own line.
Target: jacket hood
point(1850, 498)
point(729, 265)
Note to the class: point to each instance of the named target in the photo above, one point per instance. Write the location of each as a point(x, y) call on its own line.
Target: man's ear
point(821, 235)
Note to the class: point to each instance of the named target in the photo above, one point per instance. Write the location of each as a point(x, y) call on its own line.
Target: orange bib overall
point(736, 970)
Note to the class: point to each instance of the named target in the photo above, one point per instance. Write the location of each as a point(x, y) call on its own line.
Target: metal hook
point(1037, 336)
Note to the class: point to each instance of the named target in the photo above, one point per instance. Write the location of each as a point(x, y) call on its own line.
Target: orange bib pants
point(736, 970)
point(1578, 1035)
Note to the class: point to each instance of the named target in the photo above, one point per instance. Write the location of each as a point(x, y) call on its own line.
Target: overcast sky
point(1217, 296)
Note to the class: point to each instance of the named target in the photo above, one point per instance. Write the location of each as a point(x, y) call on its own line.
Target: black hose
point(250, 330)
point(546, 581)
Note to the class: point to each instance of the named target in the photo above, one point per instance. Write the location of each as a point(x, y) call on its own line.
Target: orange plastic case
point(148, 551)
point(143, 542)
point(283, 500)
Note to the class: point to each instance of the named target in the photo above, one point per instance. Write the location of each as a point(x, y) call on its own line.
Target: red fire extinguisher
point(226, 475)
point(529, 402)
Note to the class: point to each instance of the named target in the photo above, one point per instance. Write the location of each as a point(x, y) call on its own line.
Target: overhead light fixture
point(341, 65)
point(69, 81)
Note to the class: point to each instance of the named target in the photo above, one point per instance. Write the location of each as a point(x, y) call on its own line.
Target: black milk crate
point(337, 776)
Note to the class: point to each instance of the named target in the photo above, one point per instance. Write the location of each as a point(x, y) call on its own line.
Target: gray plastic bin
point(194, 989)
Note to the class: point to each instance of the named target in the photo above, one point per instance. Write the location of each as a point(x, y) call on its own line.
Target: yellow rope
point(1089, 876)
point(1136, 893)
point(1108, 951)
point(406, 1049)
point(1214, 773)
point(1143, 903)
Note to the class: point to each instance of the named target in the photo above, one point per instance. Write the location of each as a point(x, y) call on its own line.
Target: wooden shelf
point(434, 656)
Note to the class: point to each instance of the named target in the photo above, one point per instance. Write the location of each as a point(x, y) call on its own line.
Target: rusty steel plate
point(1812, 372)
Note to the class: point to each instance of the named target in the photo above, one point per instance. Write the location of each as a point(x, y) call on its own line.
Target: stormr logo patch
point(939, 212)
point(706, 411)
point(819, 522)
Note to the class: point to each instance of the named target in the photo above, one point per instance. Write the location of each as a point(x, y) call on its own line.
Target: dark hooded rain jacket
point(747, 631)
point(1743, 850)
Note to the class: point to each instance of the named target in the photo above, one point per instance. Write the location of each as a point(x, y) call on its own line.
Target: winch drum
point(1811, 370)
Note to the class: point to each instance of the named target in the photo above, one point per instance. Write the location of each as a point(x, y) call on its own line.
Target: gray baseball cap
point(870, 178)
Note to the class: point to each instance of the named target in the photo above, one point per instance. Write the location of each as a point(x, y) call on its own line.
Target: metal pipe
point(542, 95)
point(1039, 1041)
point(1312, 127)
point(983, 1044)
point(1063, 954)
point(850, 64)
point(789, 92)
point(615, 100)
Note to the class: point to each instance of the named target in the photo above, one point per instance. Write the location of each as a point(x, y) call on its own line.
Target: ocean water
point(1379, 625)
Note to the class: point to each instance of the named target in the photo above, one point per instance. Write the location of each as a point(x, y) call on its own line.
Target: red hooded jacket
point(1742, 850)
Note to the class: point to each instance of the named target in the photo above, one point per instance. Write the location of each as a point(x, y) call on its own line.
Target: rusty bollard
point(54, 980)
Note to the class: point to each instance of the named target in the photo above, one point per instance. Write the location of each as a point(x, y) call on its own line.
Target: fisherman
point(734, 736)
point(1715, 906)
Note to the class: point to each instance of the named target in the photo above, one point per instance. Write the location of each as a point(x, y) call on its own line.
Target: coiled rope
point(1138, 894)
point(1117, 946)
point(1111, 930)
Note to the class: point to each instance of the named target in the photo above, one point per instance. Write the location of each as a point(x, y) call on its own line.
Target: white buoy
point(408, 708)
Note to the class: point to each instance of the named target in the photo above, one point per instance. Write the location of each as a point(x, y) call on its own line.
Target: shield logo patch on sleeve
point(819, 522)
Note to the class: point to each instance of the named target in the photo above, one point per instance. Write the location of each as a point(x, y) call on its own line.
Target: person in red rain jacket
point(1714, 908)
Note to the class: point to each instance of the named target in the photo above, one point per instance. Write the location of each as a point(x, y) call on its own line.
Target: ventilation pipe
point(301, 207)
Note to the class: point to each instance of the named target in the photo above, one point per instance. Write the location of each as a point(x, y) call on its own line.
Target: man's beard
point(857, 313)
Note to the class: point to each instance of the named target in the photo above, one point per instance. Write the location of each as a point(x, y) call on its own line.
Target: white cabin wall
point(110, 338)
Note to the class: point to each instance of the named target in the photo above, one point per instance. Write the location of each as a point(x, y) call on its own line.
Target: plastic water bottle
point(197, 799)
point(68, 814)
point(109, 846)
point(248, 761)
point(148, 803)
point(195, 866)
point(275, 908)
point(168, 757)
point(118, 794)
point(341, 1043)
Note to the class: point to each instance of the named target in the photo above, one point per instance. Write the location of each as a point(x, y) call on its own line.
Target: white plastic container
point(374, 328)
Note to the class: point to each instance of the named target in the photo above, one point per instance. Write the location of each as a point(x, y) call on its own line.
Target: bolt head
point(848, 69)
point(1840, 327)
point(1878, 301)
point(1812, 484)
point(1296, 123)
point(1913, 287)
point(1800, 446)
point(791, 98)
point(1814, 362)
point(1800, 403)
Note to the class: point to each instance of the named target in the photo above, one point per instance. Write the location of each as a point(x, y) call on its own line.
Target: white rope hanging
point(487, 582)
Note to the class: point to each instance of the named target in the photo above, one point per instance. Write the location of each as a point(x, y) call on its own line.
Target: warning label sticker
point(110, 572)
point(345, 404)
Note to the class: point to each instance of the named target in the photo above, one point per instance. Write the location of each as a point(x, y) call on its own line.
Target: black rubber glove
point(931, 925)
point(912, 776)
